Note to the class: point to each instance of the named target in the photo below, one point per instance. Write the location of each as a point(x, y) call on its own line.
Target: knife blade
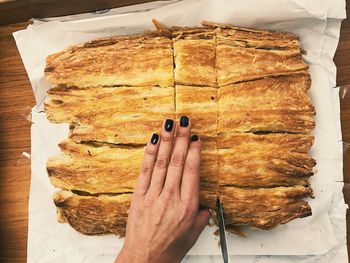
point(222, 231)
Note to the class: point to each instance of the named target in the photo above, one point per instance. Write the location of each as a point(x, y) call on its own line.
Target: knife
point(222, 231)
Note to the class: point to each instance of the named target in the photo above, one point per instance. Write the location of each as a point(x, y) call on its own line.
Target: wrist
point(141, 256)
point(131, 256)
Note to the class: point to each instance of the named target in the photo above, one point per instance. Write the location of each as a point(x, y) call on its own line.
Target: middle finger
point(178, 157)
point(163, 156)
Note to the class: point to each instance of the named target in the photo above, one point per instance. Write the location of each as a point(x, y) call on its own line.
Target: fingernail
point(168, 126)
point(154, 138)
point(184, 121)
point(194, 138)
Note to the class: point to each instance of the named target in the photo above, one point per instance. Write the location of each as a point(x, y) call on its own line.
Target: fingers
point(163, 156)
point(149, 158)
point(200, 222)
point(190, 178)
point(178, 157)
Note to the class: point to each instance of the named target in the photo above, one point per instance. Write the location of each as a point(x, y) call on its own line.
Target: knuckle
point(148, 201)
point(182, 133)
point(150, 151)
point(161, 162)
point(137, 197)
point(177, 159)
point(191, 168)
point(146, 170)
point(166, 138)
point(168, 194)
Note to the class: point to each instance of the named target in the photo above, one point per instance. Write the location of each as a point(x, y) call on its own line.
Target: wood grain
point(16, 94)
point(13, 11)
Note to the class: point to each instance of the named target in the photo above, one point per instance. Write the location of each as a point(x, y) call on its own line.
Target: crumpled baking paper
point(316, 22)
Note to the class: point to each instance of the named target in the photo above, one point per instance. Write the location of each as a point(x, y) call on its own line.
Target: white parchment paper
point(316, 22)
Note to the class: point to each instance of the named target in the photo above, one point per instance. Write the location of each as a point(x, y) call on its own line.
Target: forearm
point(138, 255)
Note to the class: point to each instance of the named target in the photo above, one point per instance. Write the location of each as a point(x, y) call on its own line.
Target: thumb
point(200, 221)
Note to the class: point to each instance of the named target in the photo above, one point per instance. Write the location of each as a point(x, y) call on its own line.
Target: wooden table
point(16, 98)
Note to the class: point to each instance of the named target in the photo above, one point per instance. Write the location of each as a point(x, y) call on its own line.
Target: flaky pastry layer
point(140, 60)
point(272, 104)
point(125, 115)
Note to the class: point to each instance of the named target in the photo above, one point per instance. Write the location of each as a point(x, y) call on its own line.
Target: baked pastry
point(101, 214)
point(139, 60)
point(250, 160)
point(245, 54)
point(194, 57)
point(270, 105)
point(276, 206)
point(97, 168)
point(245, 91)
point(209, 169)
point(125, 115)
point(200, 104)
point(93, 215)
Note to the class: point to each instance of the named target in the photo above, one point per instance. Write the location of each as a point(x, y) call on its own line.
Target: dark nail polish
point(154, 138)
point(194, 138)
point(168, 126)
point(184, 121)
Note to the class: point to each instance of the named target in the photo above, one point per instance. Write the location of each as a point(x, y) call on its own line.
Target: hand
point(164, 219)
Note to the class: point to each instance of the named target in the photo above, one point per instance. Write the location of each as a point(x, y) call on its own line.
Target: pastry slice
point(249, 160)
point(264, 208)
point(194, 54)
point(120, 115)
point(252, 38)
point(209, 169)
point(95, 168)
point(261, 105)
point(243, 55)
point(270, 142)
point(102, 168)
point(139, 60)
point(103, 214)
point(200, 104)
point(93, 215)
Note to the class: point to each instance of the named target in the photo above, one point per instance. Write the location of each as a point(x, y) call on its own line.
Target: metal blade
point(222, 231)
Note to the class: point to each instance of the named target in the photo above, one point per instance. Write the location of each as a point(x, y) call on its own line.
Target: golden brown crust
point(264, 208)
point(95, 169)
point(200, 104)
point(101, 168)
point(103, 214)
point(139, 60)
point(260, 105)
point(248, 160)
point(266, 142)
point(209, 169)
point(115, 115)
point(195, 62)
point(242, 56)
point(94, 215)
point(247, 37)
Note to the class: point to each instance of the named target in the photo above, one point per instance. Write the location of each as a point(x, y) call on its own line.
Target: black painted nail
point(154, 138)
point(194, 138)
point(184, 121)
point(168, 126)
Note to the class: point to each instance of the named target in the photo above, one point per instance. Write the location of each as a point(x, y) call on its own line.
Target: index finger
point(190, 179)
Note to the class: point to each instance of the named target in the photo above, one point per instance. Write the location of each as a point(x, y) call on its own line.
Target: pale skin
point(164, 219)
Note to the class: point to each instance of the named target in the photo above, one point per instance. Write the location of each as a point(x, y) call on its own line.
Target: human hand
point(164, 218)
